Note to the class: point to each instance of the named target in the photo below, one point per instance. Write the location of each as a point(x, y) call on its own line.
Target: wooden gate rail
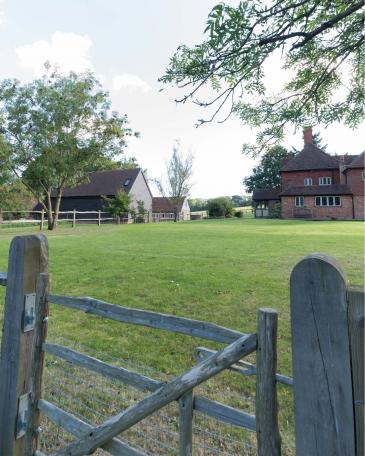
point(3, 278)
point(213, 409)
point(242, 367)
point(26, 316)
point(78, 428)
point(171, 391)
point(190, 327)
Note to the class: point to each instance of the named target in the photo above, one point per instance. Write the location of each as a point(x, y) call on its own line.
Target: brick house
point(319, 186)
point(164, 209)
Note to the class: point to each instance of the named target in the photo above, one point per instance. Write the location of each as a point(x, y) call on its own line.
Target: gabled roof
point(262, 194)
point(357, 162)
point(310, 158)
point(163, 204)
point(105, 183)
point(335, 189)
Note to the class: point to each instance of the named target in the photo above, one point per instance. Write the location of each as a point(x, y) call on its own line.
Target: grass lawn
point(220, 271)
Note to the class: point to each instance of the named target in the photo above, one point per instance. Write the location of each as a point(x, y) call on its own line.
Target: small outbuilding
point(266, 202)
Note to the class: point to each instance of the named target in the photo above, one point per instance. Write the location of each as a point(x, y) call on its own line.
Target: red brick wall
point(296, 178)
point(354, 180)
point(288, 209)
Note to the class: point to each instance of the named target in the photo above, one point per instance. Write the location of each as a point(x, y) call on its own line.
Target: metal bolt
point(39, 429)
point(45, 319)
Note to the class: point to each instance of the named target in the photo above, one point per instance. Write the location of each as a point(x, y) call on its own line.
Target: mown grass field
point(219, 270)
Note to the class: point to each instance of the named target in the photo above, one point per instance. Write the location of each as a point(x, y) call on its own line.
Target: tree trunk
point(49, 211)
point(176, 215)
point(54, 217)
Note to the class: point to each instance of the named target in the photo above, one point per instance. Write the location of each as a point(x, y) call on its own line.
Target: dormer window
point(127, 182)
point(308, 181)
point(325, 181)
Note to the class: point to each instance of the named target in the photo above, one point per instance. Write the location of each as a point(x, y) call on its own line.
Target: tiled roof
point(162, 204)
point(358, 161)
point(310, 158)
point(335, 189)
point(260, 194)
point(104, 183)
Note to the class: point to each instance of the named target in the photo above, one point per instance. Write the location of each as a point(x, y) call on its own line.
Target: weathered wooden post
point(41, 225)
point(186, 406)
point(74, 218)
point(99, 218)
point(21, 356)
point(356, 331)
point(324, 416)
point(267, 427)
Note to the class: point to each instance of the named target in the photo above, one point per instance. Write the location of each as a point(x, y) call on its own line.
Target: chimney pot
point(308, 136)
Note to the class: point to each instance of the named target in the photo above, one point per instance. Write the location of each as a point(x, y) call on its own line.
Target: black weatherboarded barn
point(89, 196)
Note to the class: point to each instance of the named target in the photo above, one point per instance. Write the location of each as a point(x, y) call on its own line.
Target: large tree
point(177, 184)
point(267, 173)
point(54, 131)
point(321, 45)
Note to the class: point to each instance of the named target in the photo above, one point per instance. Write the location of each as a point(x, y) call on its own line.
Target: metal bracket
point(22, 417)
point(29, 312)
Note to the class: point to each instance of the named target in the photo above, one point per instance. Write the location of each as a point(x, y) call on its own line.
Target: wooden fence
point(327, 319)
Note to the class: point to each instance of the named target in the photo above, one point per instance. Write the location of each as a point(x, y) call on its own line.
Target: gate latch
point(29, 312)
point(22, 417)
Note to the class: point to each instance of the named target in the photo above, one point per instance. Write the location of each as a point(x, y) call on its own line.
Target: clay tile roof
point(335, 189)
point(162, 204)
point(260, 194)
point(311, 157)
point(105, 183)
point(357, 162)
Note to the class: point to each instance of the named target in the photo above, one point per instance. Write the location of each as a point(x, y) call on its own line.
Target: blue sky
point(128, 44)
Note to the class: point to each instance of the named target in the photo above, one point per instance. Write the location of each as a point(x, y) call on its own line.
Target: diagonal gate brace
point(101, 434)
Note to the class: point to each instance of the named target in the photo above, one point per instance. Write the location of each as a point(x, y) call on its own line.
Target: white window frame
point(324, 201)
point(300, 200)
point(308, 181)
point(325, 181)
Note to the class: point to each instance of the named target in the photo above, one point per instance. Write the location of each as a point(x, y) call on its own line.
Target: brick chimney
point(342, 167)
point(308, 135)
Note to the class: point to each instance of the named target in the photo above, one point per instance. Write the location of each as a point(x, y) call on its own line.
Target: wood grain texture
point(186, 407)
point(37, 362)
point(157, 320)
point(321, 360)
point(356, 331)
point(241, 367)
point(28, 257)
point(164, 395)
point(267, 427)
point(224, 413)
point(134, 379)
point(77, 428)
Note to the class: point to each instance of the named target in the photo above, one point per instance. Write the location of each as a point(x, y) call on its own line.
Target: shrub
point(276, 211)
point(220, 207)
point(238, 214)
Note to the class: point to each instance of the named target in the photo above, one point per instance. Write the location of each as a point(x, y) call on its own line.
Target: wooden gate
point(24, 346)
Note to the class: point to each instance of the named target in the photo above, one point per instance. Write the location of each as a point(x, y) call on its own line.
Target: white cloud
point(69, 51)
point(132, 81)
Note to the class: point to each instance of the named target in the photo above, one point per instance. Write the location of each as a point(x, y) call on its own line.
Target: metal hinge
point(22, 417)
point(29, 312)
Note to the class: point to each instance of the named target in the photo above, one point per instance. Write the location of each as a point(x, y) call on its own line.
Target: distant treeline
point(201, 204)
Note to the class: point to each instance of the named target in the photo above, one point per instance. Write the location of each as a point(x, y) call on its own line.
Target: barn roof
point(335, 189)
point(310, 158)
point(105, 183)
point(163, 204)
point(262, 194)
